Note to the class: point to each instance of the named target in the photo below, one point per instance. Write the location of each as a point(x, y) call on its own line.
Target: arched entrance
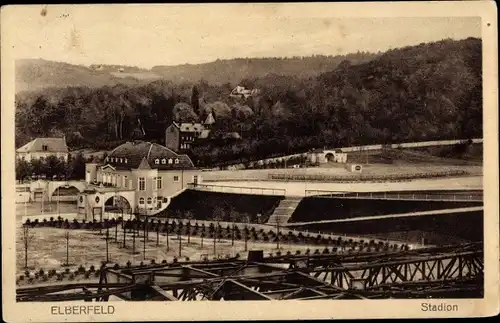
point(118, 204)
point(330, 157)
point(67, 193)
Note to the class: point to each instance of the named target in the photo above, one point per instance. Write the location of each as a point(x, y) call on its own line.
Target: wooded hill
point(36, 74)
point(426, 92)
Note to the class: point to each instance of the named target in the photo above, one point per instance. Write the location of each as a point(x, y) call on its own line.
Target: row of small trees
point(51, 167)
point(214, 231)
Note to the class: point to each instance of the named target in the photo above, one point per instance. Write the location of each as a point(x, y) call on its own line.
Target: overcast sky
point(172, 35)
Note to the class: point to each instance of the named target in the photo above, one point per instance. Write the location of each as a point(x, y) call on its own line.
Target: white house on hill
point(41, 148)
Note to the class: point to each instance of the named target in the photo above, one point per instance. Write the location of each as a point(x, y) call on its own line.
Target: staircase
point(283, 212)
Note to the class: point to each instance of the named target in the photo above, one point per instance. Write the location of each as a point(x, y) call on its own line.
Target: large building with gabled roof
point(41, 148)
point(181, 136)
point(149, 173)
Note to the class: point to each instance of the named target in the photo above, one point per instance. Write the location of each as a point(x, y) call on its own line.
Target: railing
point(238, 189)
point(396, 196)
point(365, 178)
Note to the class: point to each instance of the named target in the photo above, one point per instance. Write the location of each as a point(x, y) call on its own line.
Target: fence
point(238, 189)
point(365, 178)
point(397, 196)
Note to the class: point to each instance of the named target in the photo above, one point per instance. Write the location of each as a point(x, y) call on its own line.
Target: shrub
point(187, 258)
point(81, 269)
point(92, 268)
point(297, 252)
point(87, 275)
point(41, 272)
point(21, 277)
point(175, 260)
point(164, 261)
point(26, 273)
point(116, 266)
point(66, 270)
point(71, 277)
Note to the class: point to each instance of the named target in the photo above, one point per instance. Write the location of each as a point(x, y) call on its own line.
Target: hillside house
point(41, 148)
point(181, 136)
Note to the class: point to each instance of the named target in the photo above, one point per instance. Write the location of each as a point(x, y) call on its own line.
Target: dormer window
point(107, 159)
point(170, 161)
point(125, 160)
point(112, 159)
point(121, 160)
point(157, 161)
point(176, 161)
point(163, 161)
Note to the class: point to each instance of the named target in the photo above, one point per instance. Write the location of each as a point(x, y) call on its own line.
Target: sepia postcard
point(249, 161)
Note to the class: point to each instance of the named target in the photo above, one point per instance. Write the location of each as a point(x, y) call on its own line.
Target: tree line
point(427, 92)
point(52, 167)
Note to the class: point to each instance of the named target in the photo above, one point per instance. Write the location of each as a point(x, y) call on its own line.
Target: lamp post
point(43, 196)
point(277, 233)
point(216, 228)
point(246, 232)
point(107, 241)
point(144, 249)
point(67, 247)
point(167, 225)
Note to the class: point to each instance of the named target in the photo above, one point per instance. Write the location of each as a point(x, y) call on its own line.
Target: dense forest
point(426, 92)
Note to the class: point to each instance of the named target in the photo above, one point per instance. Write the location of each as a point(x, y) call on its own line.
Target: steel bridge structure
point(438, 272)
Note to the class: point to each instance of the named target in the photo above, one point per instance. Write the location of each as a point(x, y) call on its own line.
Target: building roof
point(143, 154)
point(210, 119)
point(54, 145)
point(191, 127)
point(204, 134)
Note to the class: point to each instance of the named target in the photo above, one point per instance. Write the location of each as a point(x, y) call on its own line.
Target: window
point(150, 200)
point(158, 183)
point(170, 161)
point(157, 161)
point(121, 160)
point(176, 161)
point(163, 161)
point(141, 200)
point(45, 147)
point(142, 184)
point(125, 160)
point(176, 178)
point(125, 181)
point(107, 159)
